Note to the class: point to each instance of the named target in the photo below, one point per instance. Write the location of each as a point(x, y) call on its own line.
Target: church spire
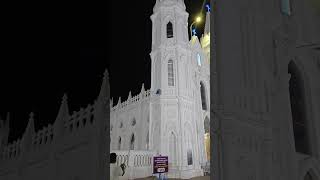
point(62, 115)
point(142, 88)
point(105, 90)
point(64, 110)
point(207, 24)
point(129, 96)
point(30, 127)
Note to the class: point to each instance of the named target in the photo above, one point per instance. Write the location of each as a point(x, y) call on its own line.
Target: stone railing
point(132, 100)
point(139, 163)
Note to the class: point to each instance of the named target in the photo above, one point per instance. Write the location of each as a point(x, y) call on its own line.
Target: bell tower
point(172, 109)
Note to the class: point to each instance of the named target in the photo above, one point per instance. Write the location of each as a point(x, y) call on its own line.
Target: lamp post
point(198, 19)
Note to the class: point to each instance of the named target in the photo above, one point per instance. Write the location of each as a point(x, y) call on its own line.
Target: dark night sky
point(64, 48)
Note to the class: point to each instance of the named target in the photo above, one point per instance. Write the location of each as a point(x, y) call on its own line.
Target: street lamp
point(198, 19)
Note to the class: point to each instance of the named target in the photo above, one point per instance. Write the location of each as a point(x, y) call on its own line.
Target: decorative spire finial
point(119, 100)
point(208, 7)
point(106, 74)
point(64, 97)
point(105, 89)
point(129, 97)
point(31, 115)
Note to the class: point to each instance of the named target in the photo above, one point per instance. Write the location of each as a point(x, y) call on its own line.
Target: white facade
point(169, 118)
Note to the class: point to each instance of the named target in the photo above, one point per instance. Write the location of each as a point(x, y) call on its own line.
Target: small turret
point(62, 116)
point(129, 96)
point(207, 24)
point(28, 134)
point(142, 88)
point(111, 102)
point(119, 101)
point(105, 89)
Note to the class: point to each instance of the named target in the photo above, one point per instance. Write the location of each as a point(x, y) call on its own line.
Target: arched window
point(298, 110)
point(203, 96)
point(147, 141)
point(199, 59)
point(169, 30)
point(189, 144)
point(119, 143)
point(286, 7)
point(133, 122)
point(170, 73)
point(308, 176)
point(132, 142)
point(172, 149)
point(189, 156)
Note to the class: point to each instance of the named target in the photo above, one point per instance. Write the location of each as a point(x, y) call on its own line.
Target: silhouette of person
point(115, 171)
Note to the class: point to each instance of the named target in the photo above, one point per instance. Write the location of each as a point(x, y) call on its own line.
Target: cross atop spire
point(208, 8)
point(194, 33)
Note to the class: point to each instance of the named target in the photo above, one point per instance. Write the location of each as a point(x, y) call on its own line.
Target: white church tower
point(177, 125)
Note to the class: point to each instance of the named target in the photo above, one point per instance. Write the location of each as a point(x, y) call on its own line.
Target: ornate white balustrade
point(139, 163)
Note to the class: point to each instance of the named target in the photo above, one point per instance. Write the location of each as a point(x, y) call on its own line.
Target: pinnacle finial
point(119, 100)
point(129, 96)
point(106, 74)
point(31, 115)
point(30, 126)
point(64, 97)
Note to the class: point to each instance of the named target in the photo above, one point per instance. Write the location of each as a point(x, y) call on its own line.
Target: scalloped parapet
point(11, 151)
point(133, 100)
point(80, 119)
point(42, 137)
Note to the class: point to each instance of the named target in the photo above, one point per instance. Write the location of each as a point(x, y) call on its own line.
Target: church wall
point(260, 94)
point(53, 159)
point(134, 108)
point(71, 148)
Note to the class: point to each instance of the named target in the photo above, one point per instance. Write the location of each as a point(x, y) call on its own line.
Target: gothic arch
point(170, 73)
point(311, 166)
point(132, 141)
point(169, 29)
point(203, 94)
point(189, 143)
point(172, 148)
point(310, 175)
point(301, 109)
point(119, 143)
point(133, 122)
point(168, 21)
point(147, 141)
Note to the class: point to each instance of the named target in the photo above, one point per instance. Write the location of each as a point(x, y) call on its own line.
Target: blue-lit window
point(199, 59)
point(286, 7)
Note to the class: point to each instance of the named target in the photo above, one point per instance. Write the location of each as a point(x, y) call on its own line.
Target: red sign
point(160, 164)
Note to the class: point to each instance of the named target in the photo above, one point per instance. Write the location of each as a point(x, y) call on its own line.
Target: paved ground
point(196, 178)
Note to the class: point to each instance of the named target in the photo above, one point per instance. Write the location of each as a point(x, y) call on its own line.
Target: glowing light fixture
point(198, 19)
point(192, 30)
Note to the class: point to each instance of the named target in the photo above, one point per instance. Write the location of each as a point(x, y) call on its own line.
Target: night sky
point(65, 48)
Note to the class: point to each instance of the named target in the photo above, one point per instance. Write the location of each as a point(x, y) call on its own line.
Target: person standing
point(115, 171)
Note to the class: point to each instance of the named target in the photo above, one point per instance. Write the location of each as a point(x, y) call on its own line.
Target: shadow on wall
point(73, 147)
